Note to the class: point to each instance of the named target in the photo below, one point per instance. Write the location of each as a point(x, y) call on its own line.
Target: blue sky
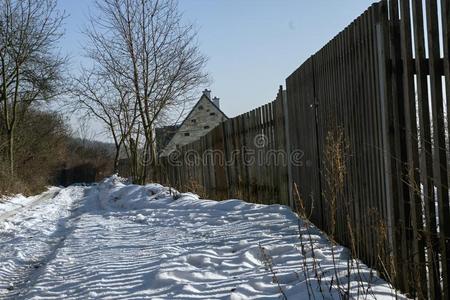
point(252, 45)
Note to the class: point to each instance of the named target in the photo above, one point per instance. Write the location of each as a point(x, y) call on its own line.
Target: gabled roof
point(195, 106)
point(204, 100)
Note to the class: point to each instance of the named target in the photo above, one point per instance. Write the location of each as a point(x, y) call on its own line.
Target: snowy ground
point(11, 205)
point(119, 241)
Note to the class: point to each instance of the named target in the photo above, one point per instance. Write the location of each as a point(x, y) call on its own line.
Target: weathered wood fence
point(380, 90)
point(244, 157)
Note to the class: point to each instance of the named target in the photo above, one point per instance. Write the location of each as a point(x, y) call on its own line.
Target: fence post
point(287, 148)
point(386, 116)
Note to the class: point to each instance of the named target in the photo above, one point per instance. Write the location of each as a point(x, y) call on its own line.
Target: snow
point(121, 241)
point(9, 204)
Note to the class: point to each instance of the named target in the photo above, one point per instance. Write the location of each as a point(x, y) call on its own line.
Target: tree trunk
point(10, 135)
point(116, 160)
point(150, 157)
point(153, 158)
point(133, 161)
point(145, 163)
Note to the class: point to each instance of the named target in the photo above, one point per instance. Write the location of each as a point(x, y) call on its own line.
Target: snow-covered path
point(11, 206)
point(119, 241)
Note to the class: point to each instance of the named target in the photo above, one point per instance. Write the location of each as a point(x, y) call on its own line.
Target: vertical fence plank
point(413, 215)
point(401, 255)
point(439, 153)
point(361, 154)
point(445, 14)
point(268, 160)
point(387, 135)
point(264, 172)
point(345, 78)
point(367, 137)
point(354, 221)
point(355, 145)
point(259, 180)
point(426, 166)
point(322, 118)
point(342, 123)
point(376, 144)
point(238, 165)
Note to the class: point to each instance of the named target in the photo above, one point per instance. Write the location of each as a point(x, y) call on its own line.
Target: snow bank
point(12, 203)
point(115, 193)
point(8, 203)
point(127, 241)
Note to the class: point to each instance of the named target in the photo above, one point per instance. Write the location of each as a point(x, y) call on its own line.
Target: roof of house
point(164, 135)
point(202, 98)
point(197, 104)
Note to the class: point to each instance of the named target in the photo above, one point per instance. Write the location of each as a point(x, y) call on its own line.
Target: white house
point(204, 116)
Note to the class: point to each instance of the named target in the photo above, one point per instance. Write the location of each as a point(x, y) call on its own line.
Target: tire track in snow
point(43, 197)
point(134, 242)
point(154, 253)
point(33, 245)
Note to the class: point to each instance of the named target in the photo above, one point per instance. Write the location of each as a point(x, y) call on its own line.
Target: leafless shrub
point(196, 188)
point(266, 259)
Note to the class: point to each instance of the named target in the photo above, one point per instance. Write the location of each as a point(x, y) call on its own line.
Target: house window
point(200, 107)
point(212, 114)
point(206, 127)
point(186, 134)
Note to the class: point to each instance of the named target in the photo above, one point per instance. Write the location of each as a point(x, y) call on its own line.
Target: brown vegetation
point(43, 149)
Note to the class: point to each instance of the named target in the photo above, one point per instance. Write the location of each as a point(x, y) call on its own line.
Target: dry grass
point(266, 259)
point(195, 187)
point(335, 172)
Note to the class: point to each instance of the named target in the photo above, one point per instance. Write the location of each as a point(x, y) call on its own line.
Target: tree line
point(143, 64)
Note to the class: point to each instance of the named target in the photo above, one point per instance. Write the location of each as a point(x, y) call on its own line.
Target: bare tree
point(109, 102)
point(29, 69)
point(146, 43)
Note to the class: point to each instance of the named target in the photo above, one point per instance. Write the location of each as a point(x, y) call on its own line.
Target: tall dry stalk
point(303, 219)
point(195, 187)
point(335, 155)
point(266, 259)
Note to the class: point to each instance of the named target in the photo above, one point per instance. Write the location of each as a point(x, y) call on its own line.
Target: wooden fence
point(244, 157)
point(337, 98)
point(418, 90)
point(370, 108)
